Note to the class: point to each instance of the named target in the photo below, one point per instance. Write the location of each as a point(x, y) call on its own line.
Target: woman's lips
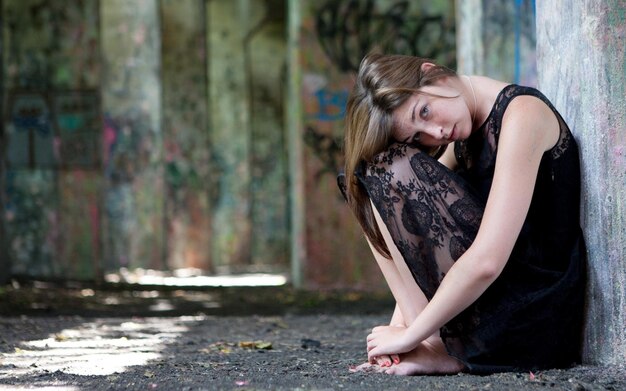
point(451, 135)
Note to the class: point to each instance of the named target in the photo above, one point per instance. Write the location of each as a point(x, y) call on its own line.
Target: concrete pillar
point(469, 42)
point(582, 69)
point(228, 23)
point(187, 157)
point(295, 145)
point(5, 264)
point(133, 139)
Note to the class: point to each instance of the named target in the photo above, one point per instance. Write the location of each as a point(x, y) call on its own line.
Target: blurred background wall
point(153, 134)
point(332, 38)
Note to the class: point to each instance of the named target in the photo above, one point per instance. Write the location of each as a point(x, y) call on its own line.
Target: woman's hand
point(387, 340)
point(385, 361)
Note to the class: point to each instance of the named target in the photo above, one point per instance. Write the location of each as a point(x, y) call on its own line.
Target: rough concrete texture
point(582, 69)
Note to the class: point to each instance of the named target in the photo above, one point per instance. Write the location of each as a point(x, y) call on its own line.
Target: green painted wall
point(144, 135)
point(50, 190)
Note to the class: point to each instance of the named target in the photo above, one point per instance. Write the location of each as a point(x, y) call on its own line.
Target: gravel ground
point(85, 339)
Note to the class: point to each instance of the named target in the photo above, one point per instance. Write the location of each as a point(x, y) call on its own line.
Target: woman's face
point(439, 116)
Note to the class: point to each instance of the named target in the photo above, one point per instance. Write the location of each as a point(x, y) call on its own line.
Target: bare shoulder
point(491, 86)
point(529, 116)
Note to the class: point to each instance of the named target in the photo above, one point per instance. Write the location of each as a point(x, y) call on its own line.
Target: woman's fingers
point(372, 353)
point(383, 361)
point(370, 342)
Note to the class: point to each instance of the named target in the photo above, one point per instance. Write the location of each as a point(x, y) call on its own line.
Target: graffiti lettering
point(348, 30)
point(30, 142)
point(332, 104)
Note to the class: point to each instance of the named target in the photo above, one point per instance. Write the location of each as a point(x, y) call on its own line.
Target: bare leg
point(430, 357)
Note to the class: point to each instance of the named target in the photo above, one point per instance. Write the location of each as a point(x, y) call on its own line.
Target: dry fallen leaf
point(221, 347)
point(255, 345)
point(263, 345)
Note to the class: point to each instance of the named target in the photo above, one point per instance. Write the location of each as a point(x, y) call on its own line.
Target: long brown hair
point(384, 83)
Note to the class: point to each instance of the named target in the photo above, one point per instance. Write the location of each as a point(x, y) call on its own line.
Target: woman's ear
point(425, 67)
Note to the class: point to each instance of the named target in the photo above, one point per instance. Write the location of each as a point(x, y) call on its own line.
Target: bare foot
point(379, 365)
point(429, 358)
point(367, 367)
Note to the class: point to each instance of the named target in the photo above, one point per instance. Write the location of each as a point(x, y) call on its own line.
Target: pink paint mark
point(140, 35)
point(110, 135)
point(172, 151)
point(56, 147)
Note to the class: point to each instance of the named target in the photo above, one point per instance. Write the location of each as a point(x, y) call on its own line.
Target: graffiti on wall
point(52, 55)
point(53, 129)
point(348, 30)
point(30, 131)
point(77, 120)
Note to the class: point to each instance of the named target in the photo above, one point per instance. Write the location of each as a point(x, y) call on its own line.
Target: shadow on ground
point(82, 337)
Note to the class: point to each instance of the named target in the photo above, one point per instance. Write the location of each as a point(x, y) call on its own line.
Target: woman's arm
point(529, 128)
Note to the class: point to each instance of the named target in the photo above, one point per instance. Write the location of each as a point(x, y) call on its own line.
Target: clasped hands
point(388, 340)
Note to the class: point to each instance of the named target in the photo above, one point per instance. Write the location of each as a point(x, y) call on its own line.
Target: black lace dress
point(531, 316)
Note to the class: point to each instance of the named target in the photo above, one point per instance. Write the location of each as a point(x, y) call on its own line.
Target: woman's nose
point(434, 131)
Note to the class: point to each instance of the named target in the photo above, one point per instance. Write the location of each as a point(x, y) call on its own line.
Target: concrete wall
point(133, 164)
point(582, 69)
point(50, 187)
point(143, 134)
point(186, 141)
point(330, 249)
point(246, 72)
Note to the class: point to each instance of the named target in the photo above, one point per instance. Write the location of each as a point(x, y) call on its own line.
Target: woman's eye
point(424, 111)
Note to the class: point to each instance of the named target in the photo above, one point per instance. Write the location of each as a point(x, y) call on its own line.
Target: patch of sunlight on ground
point(194, 277)
point(101, 347)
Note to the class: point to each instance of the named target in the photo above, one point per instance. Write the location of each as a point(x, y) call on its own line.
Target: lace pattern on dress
point(469, 151)
point(431, 214)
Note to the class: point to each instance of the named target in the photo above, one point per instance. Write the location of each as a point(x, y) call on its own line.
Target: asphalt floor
point(84, 337)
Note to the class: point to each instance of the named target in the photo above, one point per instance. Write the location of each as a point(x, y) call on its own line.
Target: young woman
point(467, 190)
